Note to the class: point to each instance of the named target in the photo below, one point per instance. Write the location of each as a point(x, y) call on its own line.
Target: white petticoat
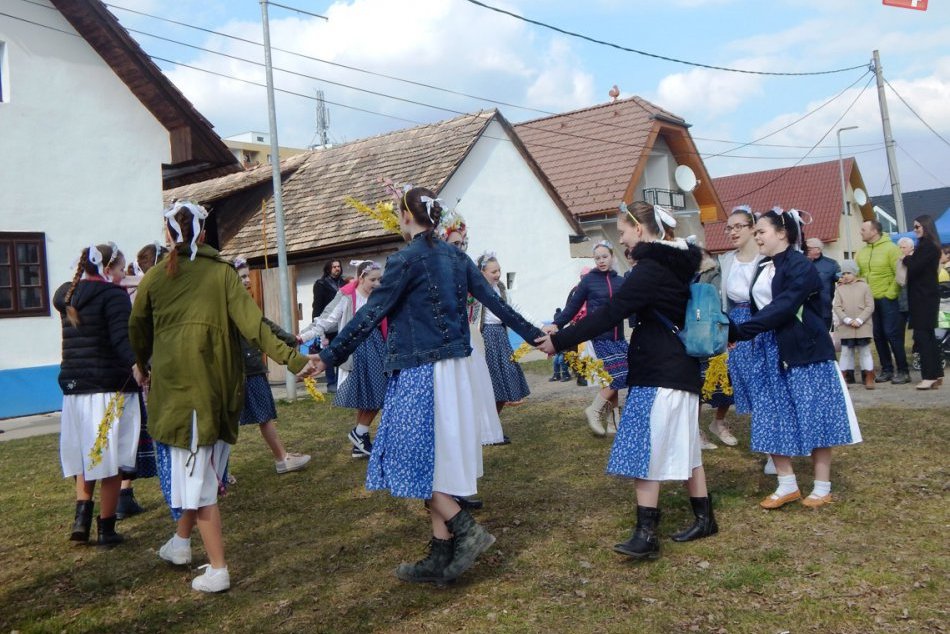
point(461, 409)
point(80, 420)
point(194, 474)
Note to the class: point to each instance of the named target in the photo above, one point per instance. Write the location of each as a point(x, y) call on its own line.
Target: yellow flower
point(383, 212)
point(311, 384)
point(522, 350)
point(717, 377)
point(113, 413)
point(588, 367)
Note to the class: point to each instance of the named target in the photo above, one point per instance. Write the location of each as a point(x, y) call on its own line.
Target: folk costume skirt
point(145, 456)
point(364, 387)
point(429, 436)
point(658, 435)
point(81, 420)
point(259, 406)
point(800, 409)
point(507, 378)
point(491, 430)
point(614, 356)
point(743, 364)
point(192, 478)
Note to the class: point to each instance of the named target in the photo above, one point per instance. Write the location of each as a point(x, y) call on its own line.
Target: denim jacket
point(423, 294)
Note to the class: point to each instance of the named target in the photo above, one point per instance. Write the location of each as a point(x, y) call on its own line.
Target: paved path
point(901, 396)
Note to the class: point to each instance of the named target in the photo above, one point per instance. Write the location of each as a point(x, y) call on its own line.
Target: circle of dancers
point(424, 340)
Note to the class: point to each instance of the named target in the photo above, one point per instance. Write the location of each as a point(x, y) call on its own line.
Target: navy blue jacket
point(796, 289)
point(423, 292)
point(828, 271)
point(596, 288)
point(659, 283)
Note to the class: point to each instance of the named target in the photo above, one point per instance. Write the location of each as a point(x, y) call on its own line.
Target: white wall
point(83, 162)
point(507, 210)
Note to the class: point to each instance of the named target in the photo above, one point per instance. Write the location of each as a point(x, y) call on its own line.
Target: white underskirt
point(461, 409)
point(81, 416)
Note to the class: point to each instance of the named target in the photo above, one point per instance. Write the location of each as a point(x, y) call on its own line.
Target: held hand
point(549, 329)
point(315, 366)
point(545, 345)
point(140, 377)
point(324, 343)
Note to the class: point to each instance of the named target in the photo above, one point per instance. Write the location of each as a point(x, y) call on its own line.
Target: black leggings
point(926, 341)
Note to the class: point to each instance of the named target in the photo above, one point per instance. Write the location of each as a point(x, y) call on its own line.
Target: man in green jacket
point(877, 263)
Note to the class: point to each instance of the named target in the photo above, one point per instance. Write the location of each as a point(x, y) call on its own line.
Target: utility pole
point(286, 314)
point(889, 146)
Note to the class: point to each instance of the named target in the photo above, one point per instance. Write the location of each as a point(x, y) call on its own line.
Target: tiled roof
point(206, 192)
point(813, 188)
point(590, 155)
point(927, 201)
point(315, 216)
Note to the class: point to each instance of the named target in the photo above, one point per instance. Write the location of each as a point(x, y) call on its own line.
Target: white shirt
point(762, 291)
point(740, 280)
point(490, 318)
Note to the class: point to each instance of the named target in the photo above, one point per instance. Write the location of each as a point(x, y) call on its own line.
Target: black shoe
point(431, 568)
point(361, 442)
point(127, 506)
point(106, 529)
point(848, 376)
point(900, 378)
point(553, 379)
point(469, 504)
point(470, 540)
point(581, 381)
point(83, 523)
point(565, 378)
point(884, 377)
point(505, 440)
point(644, 542)
point(357, 454)
point(705, 524)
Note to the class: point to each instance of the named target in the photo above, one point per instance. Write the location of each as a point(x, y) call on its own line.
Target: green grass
point(315, 552)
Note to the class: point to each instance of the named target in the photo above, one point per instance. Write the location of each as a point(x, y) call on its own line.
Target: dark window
point(24, 290)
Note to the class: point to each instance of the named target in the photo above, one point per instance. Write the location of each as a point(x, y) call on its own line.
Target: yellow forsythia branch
point(113, 413)
point(717, 377)
point(383, 212)
point(521, 351)
point(588, 367)
point(311, 384)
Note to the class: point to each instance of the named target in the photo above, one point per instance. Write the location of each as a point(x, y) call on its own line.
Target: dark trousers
point(889, 335)
point(330, 373)
point(926, 341)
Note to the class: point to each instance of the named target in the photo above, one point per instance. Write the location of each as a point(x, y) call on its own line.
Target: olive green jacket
point(189, 326)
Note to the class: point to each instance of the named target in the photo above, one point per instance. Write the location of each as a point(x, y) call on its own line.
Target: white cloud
point(703, 94)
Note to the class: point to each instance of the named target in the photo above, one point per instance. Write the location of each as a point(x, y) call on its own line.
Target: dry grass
point(313, 551)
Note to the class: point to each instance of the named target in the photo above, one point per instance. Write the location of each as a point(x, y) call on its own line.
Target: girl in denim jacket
point(428, 445)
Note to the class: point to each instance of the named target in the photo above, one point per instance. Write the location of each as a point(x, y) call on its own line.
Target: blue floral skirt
point(614, 356)
point(259, 404)
point(743, 364)
point(364, 386)
point(507, 378)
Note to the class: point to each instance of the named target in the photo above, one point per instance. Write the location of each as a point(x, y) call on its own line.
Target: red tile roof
point(814, 188)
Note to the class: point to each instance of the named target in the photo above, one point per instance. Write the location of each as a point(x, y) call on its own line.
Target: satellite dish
point(685, 178)
point(860, 197)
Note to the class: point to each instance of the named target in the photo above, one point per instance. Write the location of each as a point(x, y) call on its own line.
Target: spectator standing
point(324, 290)
point(877, 263)
point(828, 271)
point(923, 298)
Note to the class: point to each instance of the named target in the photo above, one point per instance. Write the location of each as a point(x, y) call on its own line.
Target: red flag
point(920, 5)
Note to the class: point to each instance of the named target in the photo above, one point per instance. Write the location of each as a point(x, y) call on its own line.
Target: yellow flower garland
point(521, 351)
point(113, 413)
point(717, 377)
point(311, 384)
point(588, 367)
point(383, 212)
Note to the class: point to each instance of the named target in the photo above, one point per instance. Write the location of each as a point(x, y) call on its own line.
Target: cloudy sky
point(456, 45)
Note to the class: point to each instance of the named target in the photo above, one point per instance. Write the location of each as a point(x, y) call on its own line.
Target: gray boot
point(431, 568)
point(471, 540)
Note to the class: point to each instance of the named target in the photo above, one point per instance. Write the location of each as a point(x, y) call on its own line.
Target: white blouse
point(739, 281)
point(762, 291)
point(490, 318)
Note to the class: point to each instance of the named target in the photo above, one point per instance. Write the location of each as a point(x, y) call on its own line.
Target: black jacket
point(923, 290)
point(658, 283)
point(253, 357)
point(324, 290)
point(97, 356)
point(795, 313)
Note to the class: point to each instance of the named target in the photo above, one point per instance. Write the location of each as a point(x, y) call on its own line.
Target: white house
point(474, 162)
point(91, 129)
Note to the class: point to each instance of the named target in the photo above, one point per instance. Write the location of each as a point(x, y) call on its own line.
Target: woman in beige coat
point(853, 305)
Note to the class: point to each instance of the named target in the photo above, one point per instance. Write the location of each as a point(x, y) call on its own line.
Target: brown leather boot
point(868, 379)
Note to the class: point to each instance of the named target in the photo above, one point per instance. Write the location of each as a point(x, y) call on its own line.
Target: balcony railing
point(665, 197)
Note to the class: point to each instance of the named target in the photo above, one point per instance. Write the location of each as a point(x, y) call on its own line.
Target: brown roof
point(814, 188)
point(594, 156)
point(207, 192)
point(196, 151)
point(316, 218)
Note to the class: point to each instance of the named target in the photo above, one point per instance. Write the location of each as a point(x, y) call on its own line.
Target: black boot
point(83, 523)
point(431, 568)
point(705, 524)
point(127, 506)
point(848, 376)
point(469, 503)
point(644, 543)
point(105, 526)
point(470, 540)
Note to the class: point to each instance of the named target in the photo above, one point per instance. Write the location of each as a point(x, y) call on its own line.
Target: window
point(260, 139)
point(24, 290)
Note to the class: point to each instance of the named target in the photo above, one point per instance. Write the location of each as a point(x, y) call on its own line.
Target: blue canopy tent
point(943, 227)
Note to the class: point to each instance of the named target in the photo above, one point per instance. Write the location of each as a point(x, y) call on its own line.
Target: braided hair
point(109, 255)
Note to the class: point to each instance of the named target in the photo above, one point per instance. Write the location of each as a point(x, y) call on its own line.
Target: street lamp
point(846, 208)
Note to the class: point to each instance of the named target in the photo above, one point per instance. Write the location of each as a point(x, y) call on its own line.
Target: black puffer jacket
point(97, 356)
point(658, 283)
point(253, 357)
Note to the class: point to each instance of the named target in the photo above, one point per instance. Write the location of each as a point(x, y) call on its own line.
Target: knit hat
point(849, 266)
point(814, 243)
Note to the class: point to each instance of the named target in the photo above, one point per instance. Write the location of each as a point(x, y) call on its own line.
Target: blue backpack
point(705, 331)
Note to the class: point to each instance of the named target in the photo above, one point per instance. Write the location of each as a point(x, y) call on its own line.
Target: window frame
point(12, 239)
point(4, 74)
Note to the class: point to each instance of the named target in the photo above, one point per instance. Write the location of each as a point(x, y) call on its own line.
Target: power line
point(284, 6)
point(655, 55)
point(927, 171)
point(45, 26)
point(919, 118)
point(787, 170)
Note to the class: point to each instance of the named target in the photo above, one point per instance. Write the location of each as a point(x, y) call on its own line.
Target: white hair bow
point(429, 203)
point(94, 255)
point(663, 217)
point(485, 258)
point(745, 208)
point(604, 243)
point(198, 214)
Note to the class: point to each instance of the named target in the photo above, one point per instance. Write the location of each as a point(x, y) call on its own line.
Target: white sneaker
point(704, 443)
point(292, 462)
point(721, 430)
point(212, 580)
point(178, 555)
point(769, 468)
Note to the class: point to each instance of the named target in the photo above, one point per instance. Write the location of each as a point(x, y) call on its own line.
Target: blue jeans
point(560, 368)
point(889, 329)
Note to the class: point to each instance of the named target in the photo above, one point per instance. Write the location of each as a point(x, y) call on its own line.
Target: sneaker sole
point(468, 562)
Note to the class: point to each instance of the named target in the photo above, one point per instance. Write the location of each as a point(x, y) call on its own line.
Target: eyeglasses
point(736, 227)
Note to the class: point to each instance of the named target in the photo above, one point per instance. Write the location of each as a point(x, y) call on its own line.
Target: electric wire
point(914, 112)
point(655, 55)
point(926, 171)
point(289, 8)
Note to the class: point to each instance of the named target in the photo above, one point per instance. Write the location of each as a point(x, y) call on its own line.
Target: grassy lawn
point(314, 551)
